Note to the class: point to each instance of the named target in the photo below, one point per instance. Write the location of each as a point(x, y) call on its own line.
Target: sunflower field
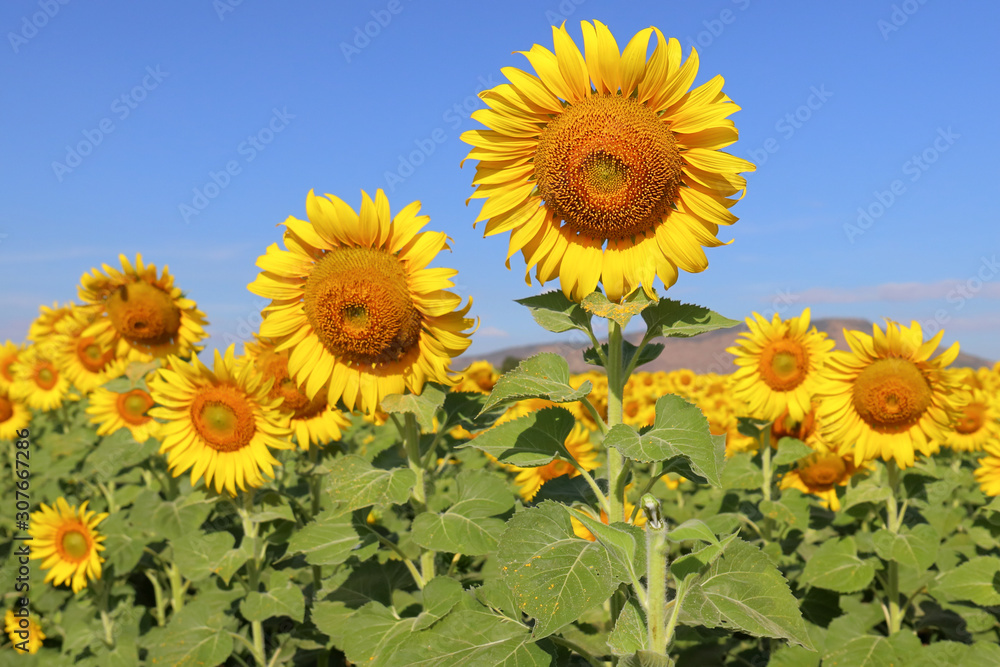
point(341, 492)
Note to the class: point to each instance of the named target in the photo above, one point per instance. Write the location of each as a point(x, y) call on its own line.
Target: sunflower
point(480, 377)
point(85, 362)
point(979, 421)
point(141, 312)
point(530, 480)
point(820, 474)
point(38, 381)
point(355, 305)
point(887, 397)
point(219, 424)
point(112, 411)
point(988, 473)
point(14, 416)
point(48, 320)
point(67, 539)
point(24, 632)
point(9, 354)
point(605, 168)
point(313, 420)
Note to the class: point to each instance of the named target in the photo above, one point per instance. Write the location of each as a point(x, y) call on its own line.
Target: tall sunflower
point(24, 632)
point(14, 416)
point(112, 411)
point(67, 540)
point(142, 312)
point(887, 397)
point(219, 423)
point(779, 366)
point(38, 381)
point(604, 167)
point(355, 305)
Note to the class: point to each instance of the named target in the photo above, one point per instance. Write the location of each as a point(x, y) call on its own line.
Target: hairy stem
point(893, 521)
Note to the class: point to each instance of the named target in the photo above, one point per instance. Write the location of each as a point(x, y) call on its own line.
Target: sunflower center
point(970, 421)
point(143, 313)
point(5, 368)
point(358, 303)
point(222, 416)
point(132, 406)
point(91, 356)
point(75, 545)
point(608, 167)
point(47, 376)
point(824, 473)
point(891, 395)
point(783, 364)
point(6, 409)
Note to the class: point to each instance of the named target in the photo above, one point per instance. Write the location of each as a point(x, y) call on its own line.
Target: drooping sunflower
point(38, 381)
point(67, 540)
point(112, 411)
point(24, 632)
point(530, 480)
point(219, 423)
point(313, 420)
point(779, 365)
point(9, 354)
point(887, 397)
point(604, 167)
point(356, 307)
point(14, 416)
point(142, 312)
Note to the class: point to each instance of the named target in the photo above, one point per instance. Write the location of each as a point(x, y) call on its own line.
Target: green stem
point(893, 521)
point(159, 613)
point(595, 415)
point(103, 592)
point(601, 498)
point(108, 491)
point(411, 438)
point(417, 578)
point(250, 532)
point(657, 549)
point(177, 587)
point(616, 384)
point(315, 489)
point(766, 486)
point(675, 610)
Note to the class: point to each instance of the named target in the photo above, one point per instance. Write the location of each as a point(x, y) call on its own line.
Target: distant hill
point(702, 354)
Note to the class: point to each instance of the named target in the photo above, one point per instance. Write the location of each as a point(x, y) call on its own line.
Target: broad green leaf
point(836, 566)
point(466, 527)
point(792, 510)
point(598, 304)
point(649, 353)
point(555, 576)
point(865, 492)
point(672, 319)
point(375, 634)
point(679, 429)
point(977, 580)
point(693, 529)
point(544, 375)
point(691, 564)
point(864, 651)
point(744, 590)
point(270, 506)
point(194, 637)
point(461, 408)
point(196, 554)
point(330, 617)
point(532, 440)
point(371, 581)
point(630, 633)
point(556, 313)
point(794, 656)
point(741, 474)
point(481, 494)
point(175, 519)
point(915, 547)
point(423, 405)
point(440, 596)
point(116, 452)
point(646, 659)
point(327, 540)
point(355, 483)
point(287, 601)
point(791, 450)
point(626, 542)
point(123, 544)
point(233, 560)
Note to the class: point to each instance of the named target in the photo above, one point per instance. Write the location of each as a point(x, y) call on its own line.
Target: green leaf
point(792, 510)
point(554, 312)
point(123, 546)
point(646, 659)
point(741, 474)
point(977, 580)
point(791, 450)
point(554, 575)
point(868, 491)
point(693, 529)
point(626, 542)
point(327, 540)
point(836, 566)
point(375, 634)
point(175, 519)
point(233, 560)
point(544, 375)
point(743, 590)
point(271, 506)
point(461, 408)
point(466, 527)
point(679, 429)
point(355, 483)
point(598, 304)
point(691, 564)
point(114, 453)
point(915, 547)
point(288, 601)
point(649, 353)
point(423, 405)
point(672, 319)
point(196, 636)
point(532, 440)
point(440, 596)
point(863, 651)
point(630, 633)
point(196, 554)
point(330, 617)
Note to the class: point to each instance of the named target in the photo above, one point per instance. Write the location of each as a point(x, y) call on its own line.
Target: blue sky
point(118, 114)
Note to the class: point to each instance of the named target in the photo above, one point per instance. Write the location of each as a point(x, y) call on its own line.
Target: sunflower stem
point(177, 587)
point(103, 592)
point(250, 532)
point(768, 524)
point(411, 438)
point(616, 462)
point(315, 489)
point(657, 549)
point(159, 613)
point(893, 522)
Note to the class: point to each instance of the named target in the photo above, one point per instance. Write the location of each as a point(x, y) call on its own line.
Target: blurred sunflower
point(480, 377)
point(67, 540)
point(356, 307)
point(13, 628)
point(820, 474)
point(218, 423)
point(47, 321)
point(605, 168)
point(142, 312)
point(779, 365)
point(887, 397)
point(9, 354)
point(86, 363)
point(530, 480)
point(14, 416)
point(988, 473)
point(112, 411)
point(38, 381)
point(978, 422)
point(313, 420)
